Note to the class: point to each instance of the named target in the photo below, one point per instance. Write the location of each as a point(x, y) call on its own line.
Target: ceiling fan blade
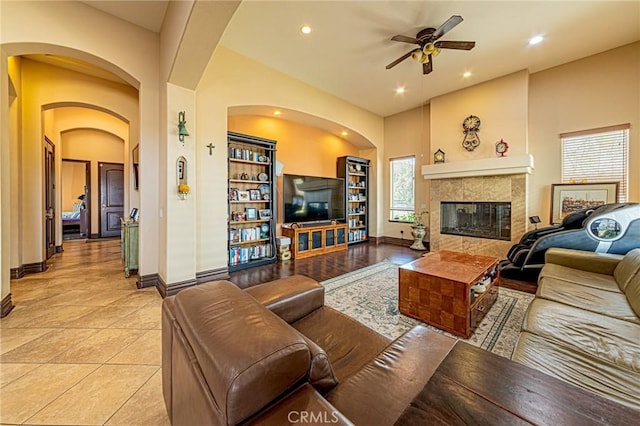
point(460, 45)
point(404, 39)
point(427, 67)
point(446, 27)
point(400, 59)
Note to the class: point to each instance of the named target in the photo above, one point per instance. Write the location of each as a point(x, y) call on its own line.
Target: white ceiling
point(350, 45)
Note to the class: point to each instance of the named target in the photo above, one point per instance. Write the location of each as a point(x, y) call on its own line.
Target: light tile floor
point(82, 345)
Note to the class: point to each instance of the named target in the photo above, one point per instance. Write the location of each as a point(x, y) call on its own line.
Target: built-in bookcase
point(355, 172)
point(251, 201)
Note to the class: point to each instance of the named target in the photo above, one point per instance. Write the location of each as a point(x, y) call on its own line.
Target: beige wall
point(501, 105)
point(302, 149)
point(95, 146)
point(232, 80)
point(406, 134)
point(46, 87)
point(530, 112)
point(598, 91)
point(125, 49)
point(73, 182)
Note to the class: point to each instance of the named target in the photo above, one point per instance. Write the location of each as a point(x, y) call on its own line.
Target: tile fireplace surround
point(480, 181)
point(510, 188)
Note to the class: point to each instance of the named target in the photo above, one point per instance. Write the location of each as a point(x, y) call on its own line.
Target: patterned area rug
point(370, 295)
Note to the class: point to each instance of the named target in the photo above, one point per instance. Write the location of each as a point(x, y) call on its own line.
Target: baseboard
point(212, 275)
point(166, 290)
point(145, 281)
point(34, 268)
point(16, 273)
point(6, 306)
point(400, 241)
point(59, 249)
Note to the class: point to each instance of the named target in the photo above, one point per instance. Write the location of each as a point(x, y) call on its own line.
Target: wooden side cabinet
point(129, 246)
point(315, 240)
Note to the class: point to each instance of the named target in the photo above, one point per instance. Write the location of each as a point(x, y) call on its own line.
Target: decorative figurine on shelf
point(501, 148)
point(471, 126)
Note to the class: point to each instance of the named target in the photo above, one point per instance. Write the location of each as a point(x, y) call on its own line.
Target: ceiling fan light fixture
point(417, 55)
point(431, 49)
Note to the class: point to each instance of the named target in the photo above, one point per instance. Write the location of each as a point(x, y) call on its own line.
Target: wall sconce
point(182, 130)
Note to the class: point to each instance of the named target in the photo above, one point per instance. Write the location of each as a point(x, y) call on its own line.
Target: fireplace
point(490, 220)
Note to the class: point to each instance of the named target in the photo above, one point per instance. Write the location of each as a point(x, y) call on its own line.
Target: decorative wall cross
point(211, 146)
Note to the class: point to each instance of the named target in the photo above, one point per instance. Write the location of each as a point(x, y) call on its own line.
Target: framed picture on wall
point(571, 197)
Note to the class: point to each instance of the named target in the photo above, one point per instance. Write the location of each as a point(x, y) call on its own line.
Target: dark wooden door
point(111, 182)
point(49, 197)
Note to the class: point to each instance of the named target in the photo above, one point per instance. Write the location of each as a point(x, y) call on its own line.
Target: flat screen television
point(312, 198)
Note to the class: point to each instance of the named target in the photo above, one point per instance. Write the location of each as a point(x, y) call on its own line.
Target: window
point(597, 156)
point(402, 189)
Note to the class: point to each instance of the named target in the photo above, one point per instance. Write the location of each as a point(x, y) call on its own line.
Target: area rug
point(370, 295)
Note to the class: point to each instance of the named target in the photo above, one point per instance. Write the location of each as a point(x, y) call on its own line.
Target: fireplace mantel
point(482, 167)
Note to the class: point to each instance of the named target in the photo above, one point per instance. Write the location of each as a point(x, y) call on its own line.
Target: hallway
point(82, 345)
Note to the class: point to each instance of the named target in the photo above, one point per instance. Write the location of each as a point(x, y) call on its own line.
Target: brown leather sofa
point(584, 324)
point(274, 354)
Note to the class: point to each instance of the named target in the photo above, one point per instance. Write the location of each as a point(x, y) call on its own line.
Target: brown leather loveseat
point(274, 354)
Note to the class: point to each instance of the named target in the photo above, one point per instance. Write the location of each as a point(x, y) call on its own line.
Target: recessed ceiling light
point(276, 112)
point(400, 90)
point(344, 133)
point(305, 29)
point(535, 40)
point(466, 74)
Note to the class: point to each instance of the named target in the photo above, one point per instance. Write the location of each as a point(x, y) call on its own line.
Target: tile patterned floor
point(82, 346)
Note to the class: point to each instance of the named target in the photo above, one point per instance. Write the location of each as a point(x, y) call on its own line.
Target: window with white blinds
point(597, 156)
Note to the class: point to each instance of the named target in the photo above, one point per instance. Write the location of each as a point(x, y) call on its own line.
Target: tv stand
point(312, 239)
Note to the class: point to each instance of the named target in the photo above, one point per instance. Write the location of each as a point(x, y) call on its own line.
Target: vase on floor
point(418, 232)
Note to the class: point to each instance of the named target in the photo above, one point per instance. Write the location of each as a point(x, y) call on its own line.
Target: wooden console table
point(436, 289)
point(315, 240)
point(474, 386)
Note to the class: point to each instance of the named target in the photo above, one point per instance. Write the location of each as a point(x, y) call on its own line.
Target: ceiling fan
point(429, 47)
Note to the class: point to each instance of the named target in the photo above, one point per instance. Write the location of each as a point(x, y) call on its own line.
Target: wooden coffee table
point(436, 289)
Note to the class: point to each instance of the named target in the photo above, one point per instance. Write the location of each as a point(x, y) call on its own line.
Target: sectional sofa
point(274, 354)
point(584, 324)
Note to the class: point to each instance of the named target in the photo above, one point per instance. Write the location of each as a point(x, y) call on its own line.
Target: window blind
point(597, 156)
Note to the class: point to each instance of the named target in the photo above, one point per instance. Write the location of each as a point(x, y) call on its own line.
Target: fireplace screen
point(476, 219)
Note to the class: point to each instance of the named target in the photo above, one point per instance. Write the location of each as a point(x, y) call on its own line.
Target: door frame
point(49, 199)
point(87, 192)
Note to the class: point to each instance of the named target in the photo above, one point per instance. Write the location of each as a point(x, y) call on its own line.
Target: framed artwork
point(265, 214)
point(254, 194)
point(571, 197)
point(243, 196)
point(251, 213)
point(233, 194)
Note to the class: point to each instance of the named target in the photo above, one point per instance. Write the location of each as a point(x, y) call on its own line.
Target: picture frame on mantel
point(571, 197)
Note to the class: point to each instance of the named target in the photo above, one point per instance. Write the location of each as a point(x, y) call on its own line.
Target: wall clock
point(438, 157)
point(501, 148)
point(471, 126)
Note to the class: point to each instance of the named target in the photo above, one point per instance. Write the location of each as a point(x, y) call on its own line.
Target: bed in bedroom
point(72, 221)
